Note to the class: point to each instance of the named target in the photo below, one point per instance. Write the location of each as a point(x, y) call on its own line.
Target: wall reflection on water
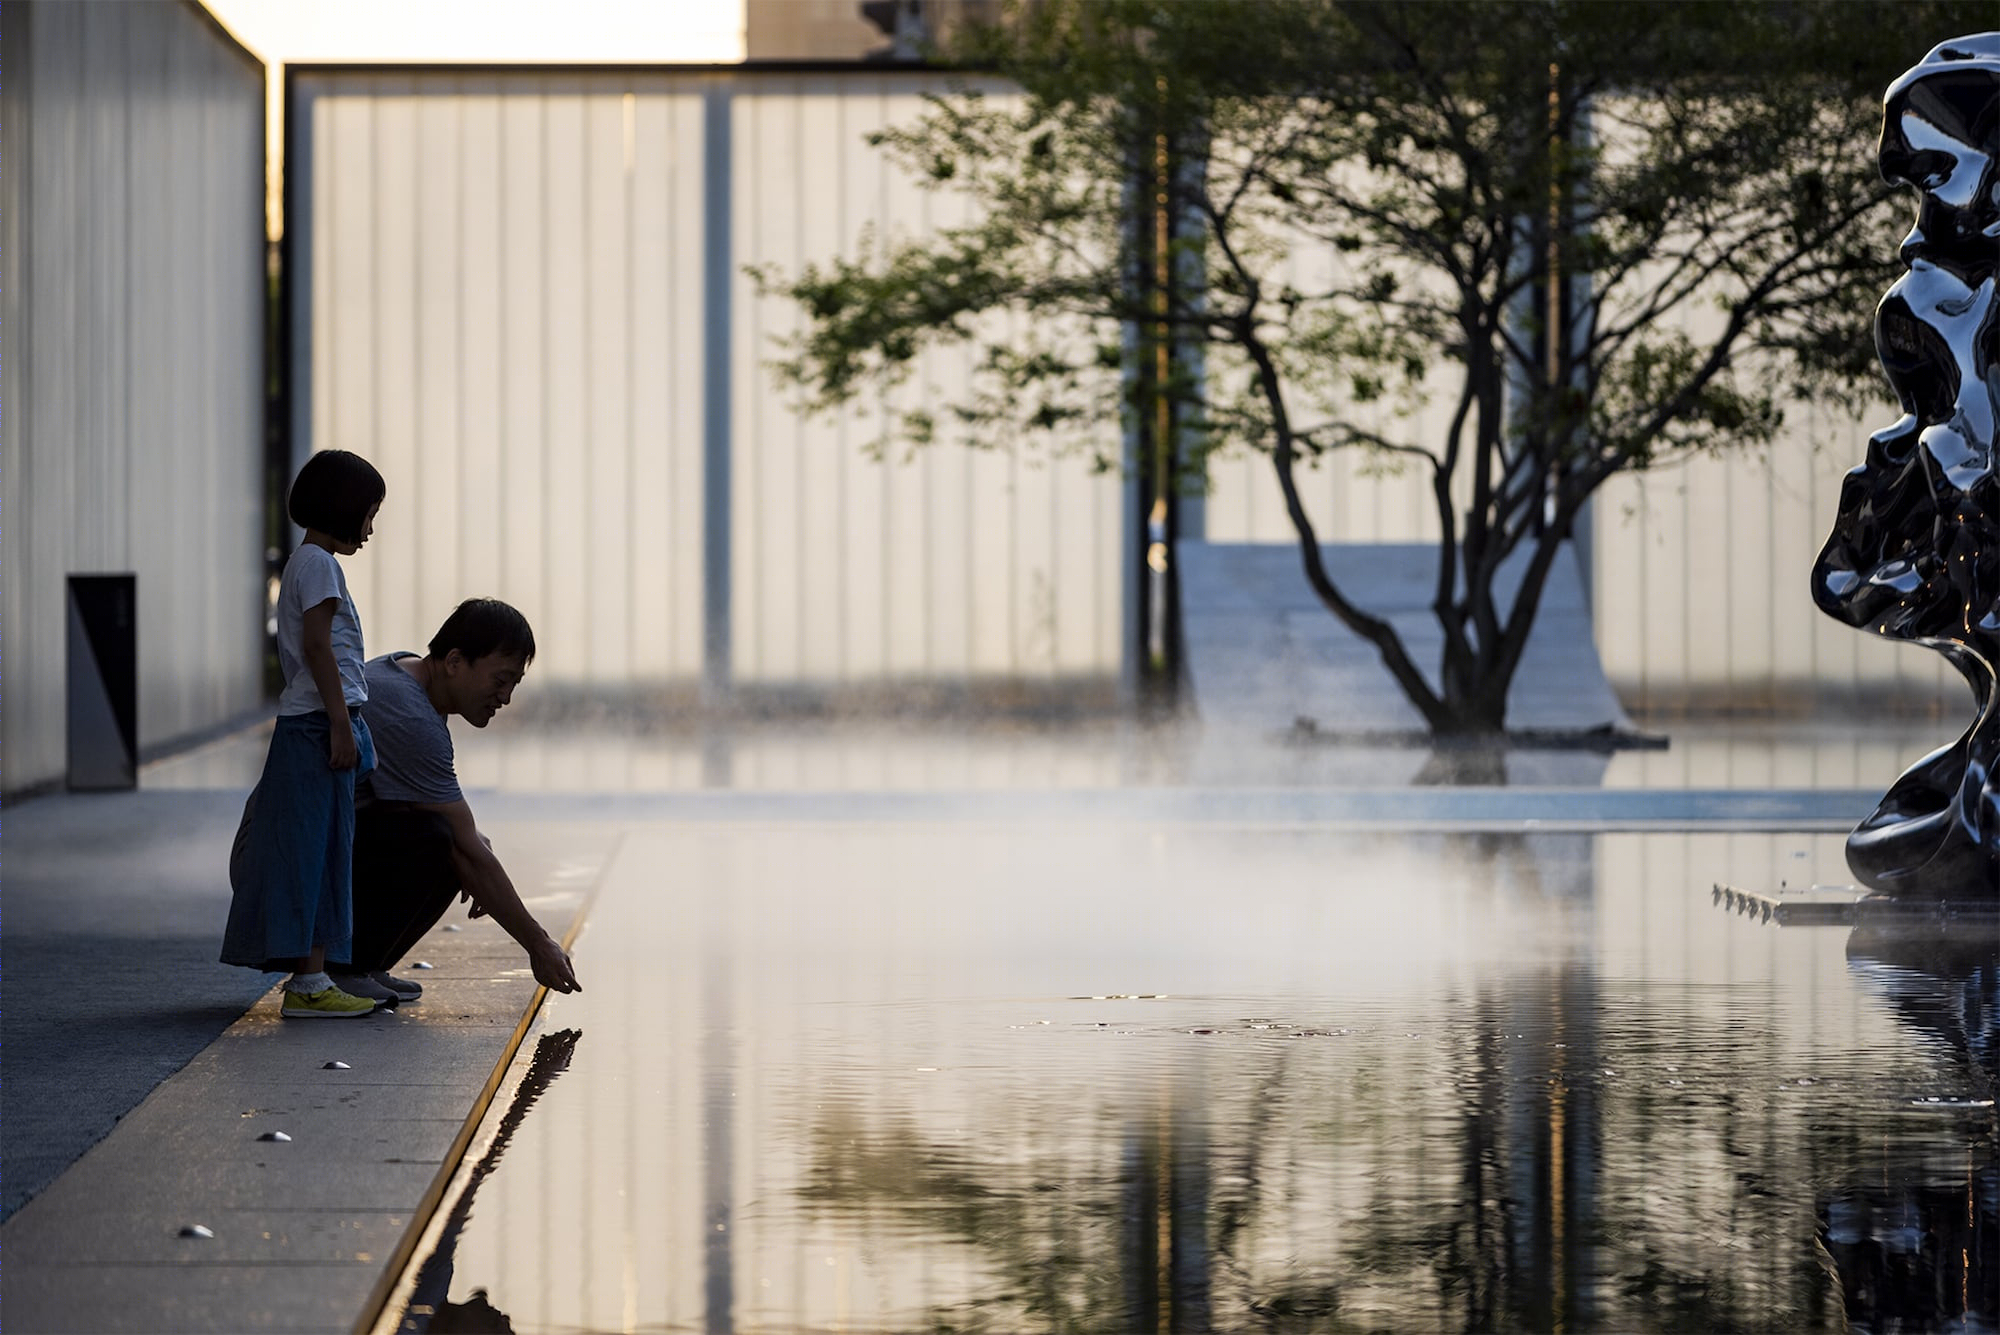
point(971, 1078)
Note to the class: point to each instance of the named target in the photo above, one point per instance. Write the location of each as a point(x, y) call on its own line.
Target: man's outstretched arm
point(492, 892)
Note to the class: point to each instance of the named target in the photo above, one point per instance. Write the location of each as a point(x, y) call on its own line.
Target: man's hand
point(342, 751)
point(552, 967)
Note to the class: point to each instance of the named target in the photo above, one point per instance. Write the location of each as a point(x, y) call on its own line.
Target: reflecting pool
point(959, 1076)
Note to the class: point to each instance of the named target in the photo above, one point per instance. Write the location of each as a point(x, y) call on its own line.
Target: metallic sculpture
point(1915, 549)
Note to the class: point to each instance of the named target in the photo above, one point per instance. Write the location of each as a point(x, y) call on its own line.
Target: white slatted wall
point(955, 564)
point(131, 359)
point(1702, 585)
point(506, 313)
point(507, 316)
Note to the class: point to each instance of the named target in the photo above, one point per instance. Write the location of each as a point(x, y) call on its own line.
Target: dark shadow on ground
point(114, 905)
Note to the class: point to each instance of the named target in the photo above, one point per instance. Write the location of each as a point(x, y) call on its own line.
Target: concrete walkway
point(114, 907)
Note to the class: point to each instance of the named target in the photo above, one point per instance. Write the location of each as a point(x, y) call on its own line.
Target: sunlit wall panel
point(1703, 592)
point(131, 359)
point(504, 315)
point(509, 312)
point(950, 564)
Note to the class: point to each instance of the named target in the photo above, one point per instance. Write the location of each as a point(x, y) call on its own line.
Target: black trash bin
point(103, 682)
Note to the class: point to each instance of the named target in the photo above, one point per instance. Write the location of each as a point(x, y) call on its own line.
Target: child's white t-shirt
point(311, 577)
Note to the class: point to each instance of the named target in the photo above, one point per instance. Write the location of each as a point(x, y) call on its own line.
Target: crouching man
point(416, 845)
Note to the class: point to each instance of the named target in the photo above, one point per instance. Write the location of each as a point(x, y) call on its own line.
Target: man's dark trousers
point(404, 880)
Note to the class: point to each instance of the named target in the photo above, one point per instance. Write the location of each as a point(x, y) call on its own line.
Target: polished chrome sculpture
point(1915, 550)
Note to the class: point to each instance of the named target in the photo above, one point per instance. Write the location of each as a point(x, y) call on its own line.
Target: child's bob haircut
point(334, 493)
point(481, 626)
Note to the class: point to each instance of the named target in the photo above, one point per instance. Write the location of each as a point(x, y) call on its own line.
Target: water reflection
point(1182, 1229)
point(430, 1310)
point(1916, 1246)
point(1944, 981)
point(1917, 1258)
point(985, 1078)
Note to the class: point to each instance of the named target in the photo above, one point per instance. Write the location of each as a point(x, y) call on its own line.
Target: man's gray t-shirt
point(413, 755)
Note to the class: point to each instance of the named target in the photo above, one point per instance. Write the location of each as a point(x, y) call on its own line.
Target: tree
point(1629, 231)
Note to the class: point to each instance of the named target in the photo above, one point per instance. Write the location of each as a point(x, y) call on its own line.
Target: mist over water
point(979, 1076)
point(602, 751)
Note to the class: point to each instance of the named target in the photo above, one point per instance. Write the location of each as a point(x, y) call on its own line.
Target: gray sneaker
point(407, 989)
point(364, 985)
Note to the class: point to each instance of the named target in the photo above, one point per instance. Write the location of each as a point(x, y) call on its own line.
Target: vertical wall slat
point(478, 274)
point(384, 570)
point(830, 491)
point(608, 388)
point(524, 382)
point(566, 441)
point(868, 523)
point(24, 752)
point(434, 490)
point(652, 243)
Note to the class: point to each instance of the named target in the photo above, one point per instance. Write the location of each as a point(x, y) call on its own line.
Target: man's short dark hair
point(481, 626)
point(334, 493)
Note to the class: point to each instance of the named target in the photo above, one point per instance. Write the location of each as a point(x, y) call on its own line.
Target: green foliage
point(1380, 206)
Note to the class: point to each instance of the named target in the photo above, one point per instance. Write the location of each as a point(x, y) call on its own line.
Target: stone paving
point(307, 1233)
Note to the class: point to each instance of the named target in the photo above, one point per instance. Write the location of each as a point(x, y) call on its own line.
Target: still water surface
point(963, 1077)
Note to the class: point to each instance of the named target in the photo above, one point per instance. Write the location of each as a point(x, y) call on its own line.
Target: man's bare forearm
point(493, 891)
point(482, 877)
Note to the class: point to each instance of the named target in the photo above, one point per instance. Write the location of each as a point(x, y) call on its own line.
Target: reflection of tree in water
point(1554, 1193)
point(1535, 1169)
point(430, 1311)
point(1038, 1233)
point(1914, 1250)
point(1148, 1246)
point(1485, 1241)
point(1917, 1257)
point(1178, 1235)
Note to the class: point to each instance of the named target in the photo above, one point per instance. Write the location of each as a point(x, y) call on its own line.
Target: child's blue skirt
point(291, 870)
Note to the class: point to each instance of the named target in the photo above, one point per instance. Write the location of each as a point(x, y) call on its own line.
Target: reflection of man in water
point(475, 1316)
point(416, 845)
point(430, 1309)
point(1915, 550)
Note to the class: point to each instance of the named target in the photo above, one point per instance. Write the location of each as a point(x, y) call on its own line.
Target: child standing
point(290, 870)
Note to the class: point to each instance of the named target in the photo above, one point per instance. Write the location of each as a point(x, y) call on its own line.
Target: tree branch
point(1376, 631)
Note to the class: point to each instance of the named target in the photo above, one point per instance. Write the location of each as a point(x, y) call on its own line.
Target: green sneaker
point(328, 1003)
